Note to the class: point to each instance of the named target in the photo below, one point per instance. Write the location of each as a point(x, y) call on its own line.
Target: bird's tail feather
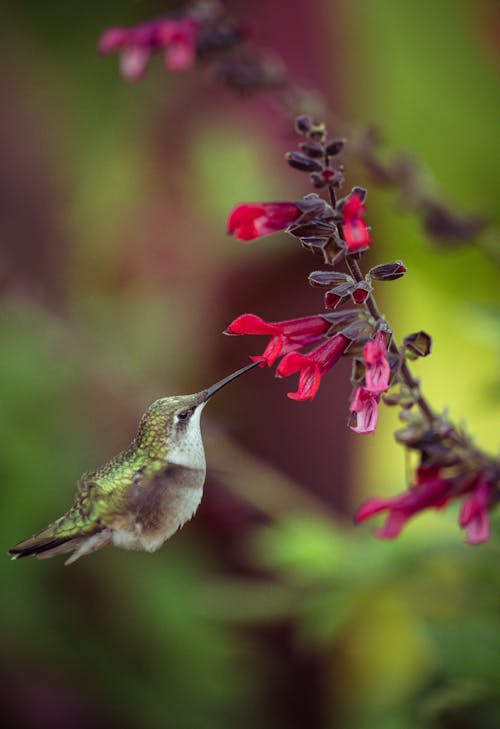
point(53, 540)
point(43, 546)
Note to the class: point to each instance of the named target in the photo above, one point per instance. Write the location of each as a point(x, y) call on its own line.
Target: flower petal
point(113, 39)
point(474, 514)
point(251, 324)
point(253, 220)
point(365, 405)
point(378, 371)
point(312, 366)
point(134, 62)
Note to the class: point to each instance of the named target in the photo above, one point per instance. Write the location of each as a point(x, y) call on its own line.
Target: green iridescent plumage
point(144, 494)
point(104, 494)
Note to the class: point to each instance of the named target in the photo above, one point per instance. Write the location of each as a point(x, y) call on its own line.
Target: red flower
point(286, 336)
point(356, 233)
point(365, 405)
point(474, 514)
point(249, 221)
point(176, 37)
point(312, 366)
point(378, 371)
point(431, 491)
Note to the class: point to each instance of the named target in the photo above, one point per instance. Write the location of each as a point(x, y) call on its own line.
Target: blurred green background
point(270, 609)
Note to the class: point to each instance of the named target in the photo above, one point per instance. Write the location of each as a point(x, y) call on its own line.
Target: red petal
point(393, 526)
point(474, 514)
point(241, 221)
point(251, 324)
point(356, 234)
point(370, 508)
point(354, 207)
point(252, 220)
point(292, 363)
point(309, 382)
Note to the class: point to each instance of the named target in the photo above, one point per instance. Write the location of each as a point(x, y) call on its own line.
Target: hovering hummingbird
point(144, 494)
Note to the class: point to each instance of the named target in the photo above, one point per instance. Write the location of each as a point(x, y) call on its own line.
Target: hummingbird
point(142, 496)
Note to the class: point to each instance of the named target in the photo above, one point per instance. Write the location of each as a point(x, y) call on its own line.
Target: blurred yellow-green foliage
point(269, 610)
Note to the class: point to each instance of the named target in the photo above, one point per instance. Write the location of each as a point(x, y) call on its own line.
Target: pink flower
point(431, 491)
point(176, 37)
point(356, 233)
point(286, 336)
point(474, 514)
point(378, 371)
point(253, 220)
point(312, 366)
point(365, 405)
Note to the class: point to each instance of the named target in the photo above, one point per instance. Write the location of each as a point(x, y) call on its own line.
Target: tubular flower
point(430, 491)
point(365, 405)
point(356, 233)
point(312, 366)
point(474, 514)
point(176, 37)
point(253, 220)
point(378, 370)
point(286, 336)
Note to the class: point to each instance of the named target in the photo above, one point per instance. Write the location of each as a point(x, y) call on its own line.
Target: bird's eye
point(184, 414)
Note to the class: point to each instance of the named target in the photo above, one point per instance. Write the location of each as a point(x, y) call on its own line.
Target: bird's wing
point(103, 500)
point(98, 500)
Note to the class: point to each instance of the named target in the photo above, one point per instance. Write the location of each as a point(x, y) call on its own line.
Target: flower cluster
point(202, 32)
point(174, 37)
point(450, 467)
point(434, 489)
point(287, 337)
point(318, 225)
point(205, 31)
point(199, 32)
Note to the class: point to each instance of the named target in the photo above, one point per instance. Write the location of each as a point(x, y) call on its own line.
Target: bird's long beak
point(207, 394)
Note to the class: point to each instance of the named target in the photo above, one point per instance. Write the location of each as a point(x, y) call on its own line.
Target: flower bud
point(328, 278)
point(303, 162)
point(336, 295)
point(317, 131)
point(343, 318)
point(313, 228)
point(312, 149)
point(388, 271)
point(418, 344)
point(317, 180)
point(334, 147)
point(302, 124)
point(315, 243)
point(361, 292)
